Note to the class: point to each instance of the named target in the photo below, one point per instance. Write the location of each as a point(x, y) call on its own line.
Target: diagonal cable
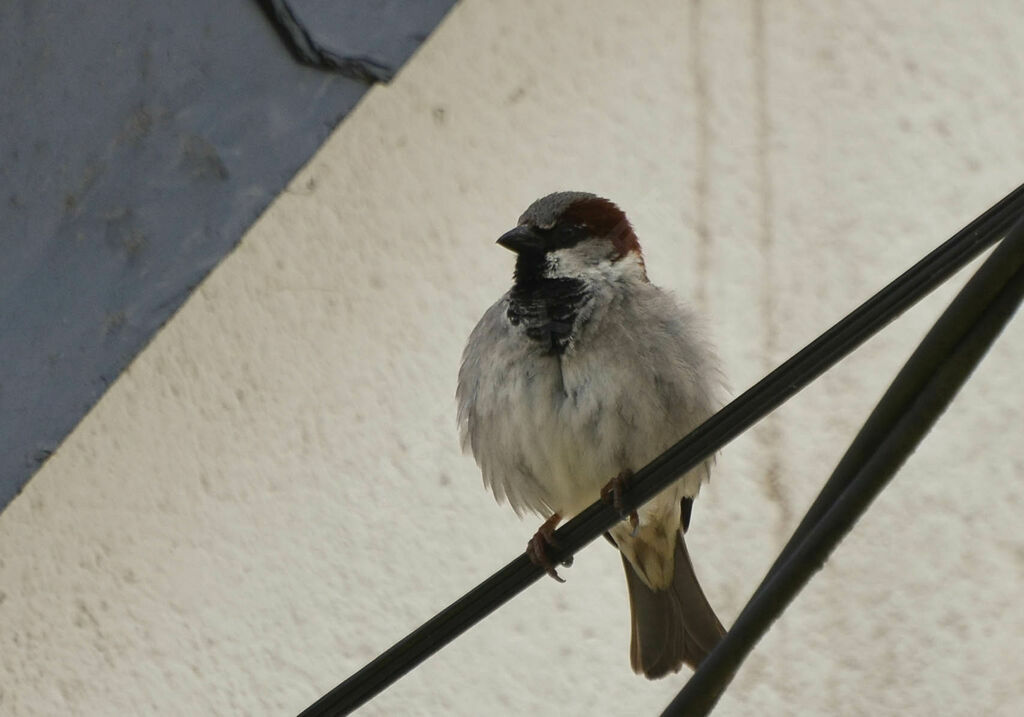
point(919, 394)
point(712, 435)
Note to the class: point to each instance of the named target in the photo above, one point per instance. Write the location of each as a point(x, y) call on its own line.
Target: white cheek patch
point(595, 265)
point(573, 262)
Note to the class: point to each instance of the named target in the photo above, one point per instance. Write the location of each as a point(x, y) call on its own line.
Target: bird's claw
point(538, 550)
point(612, 494)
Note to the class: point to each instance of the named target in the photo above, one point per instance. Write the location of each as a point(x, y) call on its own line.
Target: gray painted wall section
point(138, 141)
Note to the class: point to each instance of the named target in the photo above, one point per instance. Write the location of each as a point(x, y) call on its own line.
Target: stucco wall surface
point(273, 492)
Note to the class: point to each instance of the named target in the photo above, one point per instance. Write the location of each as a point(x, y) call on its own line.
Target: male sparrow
point(582, 373)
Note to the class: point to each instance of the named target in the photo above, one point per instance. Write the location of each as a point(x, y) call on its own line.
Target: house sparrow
point(581, 373)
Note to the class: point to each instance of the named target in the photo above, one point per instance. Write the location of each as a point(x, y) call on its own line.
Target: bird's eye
point(566, 234)
point(574, 229)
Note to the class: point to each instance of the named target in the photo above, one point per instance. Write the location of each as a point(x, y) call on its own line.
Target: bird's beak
point(522, 239)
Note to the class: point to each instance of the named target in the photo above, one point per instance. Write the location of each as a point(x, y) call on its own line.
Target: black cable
point(903, 390)
point(708, 438)
point(917, 397)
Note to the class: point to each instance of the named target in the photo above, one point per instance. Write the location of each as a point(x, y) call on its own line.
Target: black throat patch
point(546, 308)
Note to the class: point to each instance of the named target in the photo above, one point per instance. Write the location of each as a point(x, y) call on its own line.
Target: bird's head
point(574, 235)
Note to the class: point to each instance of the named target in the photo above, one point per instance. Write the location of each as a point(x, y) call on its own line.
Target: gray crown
point(544, 212)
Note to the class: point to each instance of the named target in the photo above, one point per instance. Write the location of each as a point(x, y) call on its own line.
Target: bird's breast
point(571, 420)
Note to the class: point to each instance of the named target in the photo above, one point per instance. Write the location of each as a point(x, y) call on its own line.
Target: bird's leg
point(612, 493)
point(539, 547)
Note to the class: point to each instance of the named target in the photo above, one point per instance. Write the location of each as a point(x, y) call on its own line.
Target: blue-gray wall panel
point(138, 141)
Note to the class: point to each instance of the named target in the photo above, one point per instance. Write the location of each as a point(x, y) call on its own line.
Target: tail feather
point(670, 627)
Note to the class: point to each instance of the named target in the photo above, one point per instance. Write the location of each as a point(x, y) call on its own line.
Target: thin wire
point(917, 397)
point(712, 435)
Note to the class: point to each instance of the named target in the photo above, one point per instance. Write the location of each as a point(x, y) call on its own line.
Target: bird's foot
point(612, 494)
point(540, 546)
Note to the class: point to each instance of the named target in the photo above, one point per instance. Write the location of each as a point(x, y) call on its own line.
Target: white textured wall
point(272, 493)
